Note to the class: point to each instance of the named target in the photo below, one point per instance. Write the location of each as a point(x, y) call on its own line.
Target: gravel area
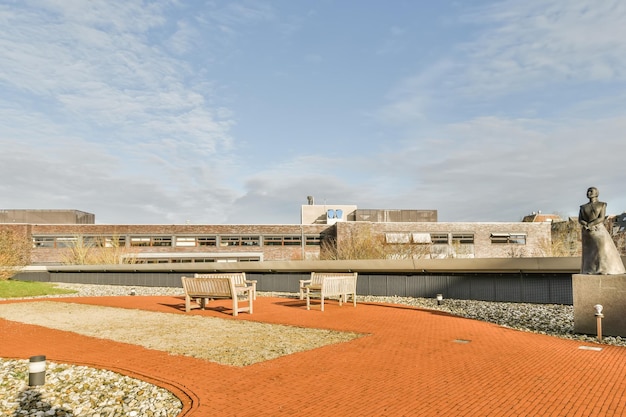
point(83, 391)
point(80, 391)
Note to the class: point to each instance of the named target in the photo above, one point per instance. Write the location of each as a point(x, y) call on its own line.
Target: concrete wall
point(606, 290)
point(46, 216)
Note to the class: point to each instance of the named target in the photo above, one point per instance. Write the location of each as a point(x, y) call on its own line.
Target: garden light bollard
point(439, 299)
point(599, 317)
point(37, 370)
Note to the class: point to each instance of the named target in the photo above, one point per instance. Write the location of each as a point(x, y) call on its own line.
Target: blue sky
point(218, 112)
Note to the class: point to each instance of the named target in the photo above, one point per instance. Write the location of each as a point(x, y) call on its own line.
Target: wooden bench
point(217, 286)
point(240, 280)
point(329, 284)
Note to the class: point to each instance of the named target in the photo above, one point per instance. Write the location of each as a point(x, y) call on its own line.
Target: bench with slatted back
point(330, 284)
point(218, 286)
point(240, 281)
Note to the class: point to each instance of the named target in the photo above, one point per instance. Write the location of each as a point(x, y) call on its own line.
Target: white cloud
point(118, 107)
point(538, 42)
point(101, 107)
point(115, 79)
point(519, 48)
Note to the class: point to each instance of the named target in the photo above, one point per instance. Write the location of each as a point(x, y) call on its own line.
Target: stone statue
point(600, 256)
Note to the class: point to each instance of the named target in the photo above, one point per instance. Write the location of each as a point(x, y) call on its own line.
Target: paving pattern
point(411, 363)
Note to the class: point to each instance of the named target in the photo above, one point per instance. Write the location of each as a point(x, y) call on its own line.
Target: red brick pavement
point(412, 362)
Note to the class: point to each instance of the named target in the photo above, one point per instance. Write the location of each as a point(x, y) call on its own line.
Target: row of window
point(194, 260)
point(430, 238)
point(174, 241)
point(451, 238)
point(259, 240)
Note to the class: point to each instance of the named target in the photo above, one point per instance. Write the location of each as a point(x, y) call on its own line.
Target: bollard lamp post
point(37, 370)
point(599, 316)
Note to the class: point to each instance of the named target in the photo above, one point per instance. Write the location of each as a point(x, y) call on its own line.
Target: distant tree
point(619, 236)
point(566, 238)
point(99, 251)
point(14, 253)
point(78, 252)
point(354, 245)
point(364, 244)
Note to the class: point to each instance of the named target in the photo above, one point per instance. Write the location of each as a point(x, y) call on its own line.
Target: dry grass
point(228, 342)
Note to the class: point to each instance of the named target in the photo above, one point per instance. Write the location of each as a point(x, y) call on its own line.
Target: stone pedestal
point(608, 290)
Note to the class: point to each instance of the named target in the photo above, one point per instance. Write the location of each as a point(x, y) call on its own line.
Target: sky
point(234, 111)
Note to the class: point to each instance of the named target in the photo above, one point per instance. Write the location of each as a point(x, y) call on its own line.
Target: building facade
point(46, 216)
point(334, 227)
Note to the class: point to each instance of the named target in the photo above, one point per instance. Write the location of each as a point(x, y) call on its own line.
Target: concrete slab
point(607, 290)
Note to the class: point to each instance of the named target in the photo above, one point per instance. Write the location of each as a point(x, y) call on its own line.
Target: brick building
point(53, 242)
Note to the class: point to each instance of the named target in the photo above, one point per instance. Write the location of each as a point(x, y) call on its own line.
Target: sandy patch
point(228, 342)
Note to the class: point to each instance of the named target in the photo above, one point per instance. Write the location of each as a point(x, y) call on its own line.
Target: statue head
point(592, 192)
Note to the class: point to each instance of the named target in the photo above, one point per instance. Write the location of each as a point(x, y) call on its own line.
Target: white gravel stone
point(71, 390)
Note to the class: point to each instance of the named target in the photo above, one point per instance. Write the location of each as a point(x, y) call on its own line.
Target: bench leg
point(250, 294)
point(187, 303)
point(235, 306)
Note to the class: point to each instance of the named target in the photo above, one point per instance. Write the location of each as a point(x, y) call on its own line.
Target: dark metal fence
point(543, 288)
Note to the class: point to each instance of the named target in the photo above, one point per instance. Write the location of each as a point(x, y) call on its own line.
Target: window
point(66, 242)
point(250, 241)
point(151, 241)
point(397, 238)
point(185, 241)
point(111, 241)
point(207, 240)
point(312, 240)
point(463, 238)
point(43, 242)
point(139, 241)
point(514, 238)
point(74, 241)
point(273, 240)
point(439, 238)
point(423, 238)
point(518, 238)
point(162, 241)
point(295, 240)
point(292, 240)
point(229, 240)
point(181, 260)
point(239, 241)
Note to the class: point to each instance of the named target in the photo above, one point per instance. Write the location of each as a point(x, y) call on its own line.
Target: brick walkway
point(412, 363)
